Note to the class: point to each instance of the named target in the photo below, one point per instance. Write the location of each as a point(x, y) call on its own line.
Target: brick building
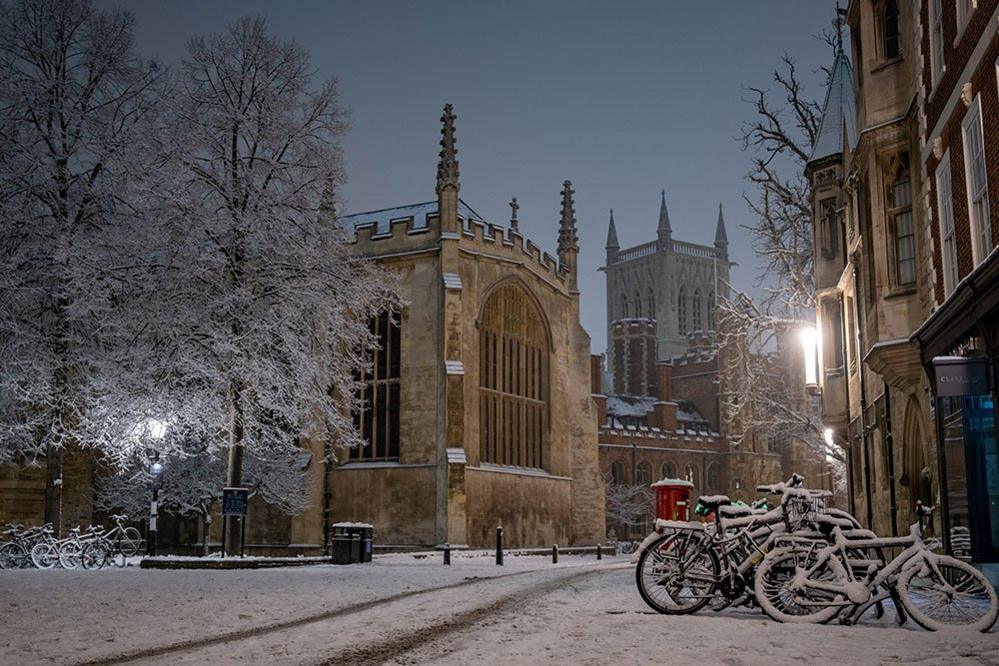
point(959, 153)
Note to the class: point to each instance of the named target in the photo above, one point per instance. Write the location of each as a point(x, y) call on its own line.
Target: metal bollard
point(499, 545)
point(600, 551)
point(555, 554)
point(447, 554)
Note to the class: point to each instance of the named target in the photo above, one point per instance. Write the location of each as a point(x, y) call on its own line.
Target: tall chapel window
point(638, 305)
point(377, 420)
point(624, 307)
point(513, 380)
point(892, 32)
point(698, 321)
point(681, 310)
point(652, 304)
point(900, 218)
point(711, 311)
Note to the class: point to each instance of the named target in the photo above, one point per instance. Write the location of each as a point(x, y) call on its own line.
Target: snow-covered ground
point(526, 612)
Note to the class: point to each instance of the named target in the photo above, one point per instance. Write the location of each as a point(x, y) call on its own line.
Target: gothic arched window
point(900, 219)
point(638, 305)
point(513, 380)
point(713, 481)
point(617, 473)
point(681, 310)
point(667, 470)
point(689, 475)
point(377, 420)
point(698, 321)
point(652, 304)
point(711, 311)
point(643, 474)
point(892, 32)
point(624, 307)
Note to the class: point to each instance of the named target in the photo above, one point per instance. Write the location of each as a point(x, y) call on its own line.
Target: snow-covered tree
point(76, 107)
point(193, 477)
point(759, 397)
point(628, 505)
point(258, 308)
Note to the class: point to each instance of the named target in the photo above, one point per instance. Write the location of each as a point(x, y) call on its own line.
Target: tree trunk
point(234, 476)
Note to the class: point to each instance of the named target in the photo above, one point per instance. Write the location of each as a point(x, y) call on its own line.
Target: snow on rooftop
point(419, 212)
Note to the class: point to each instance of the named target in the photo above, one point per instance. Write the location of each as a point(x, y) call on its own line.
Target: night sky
point(624, 99)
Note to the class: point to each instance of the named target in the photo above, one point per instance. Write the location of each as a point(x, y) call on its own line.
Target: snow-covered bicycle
point(814, 581)
point(683, 566)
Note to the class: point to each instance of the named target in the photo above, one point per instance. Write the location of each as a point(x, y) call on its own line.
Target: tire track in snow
point(379, 653)
point(232, 636)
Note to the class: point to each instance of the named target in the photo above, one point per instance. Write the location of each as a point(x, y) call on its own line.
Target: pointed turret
point(612, 245)
point(664, 232)
point(721, 236)
point(447, 174)
point(568, 241)
point(838, 126)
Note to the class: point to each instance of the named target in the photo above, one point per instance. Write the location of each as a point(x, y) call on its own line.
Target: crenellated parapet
point(417, 228)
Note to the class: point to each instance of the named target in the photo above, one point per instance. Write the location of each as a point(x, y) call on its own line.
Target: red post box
point(673, 499)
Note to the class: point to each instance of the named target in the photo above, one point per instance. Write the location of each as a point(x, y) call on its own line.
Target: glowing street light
point(810, 347)
point(157, 431)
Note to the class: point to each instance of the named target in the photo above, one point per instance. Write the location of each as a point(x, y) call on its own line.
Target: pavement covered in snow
point(404, 610)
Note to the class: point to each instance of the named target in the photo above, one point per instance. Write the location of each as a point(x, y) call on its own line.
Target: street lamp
point(810, 347)
point(157, 430)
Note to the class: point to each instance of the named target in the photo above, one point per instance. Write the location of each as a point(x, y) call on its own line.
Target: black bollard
point(499, 545)
point(447, 554)
point(555, 554)
point(600, 551)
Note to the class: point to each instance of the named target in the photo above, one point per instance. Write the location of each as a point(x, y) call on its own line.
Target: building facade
point(908, 298)
point(958, 75)
point(478, 408)
point(871, 255)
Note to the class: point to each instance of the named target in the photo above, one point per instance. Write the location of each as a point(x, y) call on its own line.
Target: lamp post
point(157, 429)
point(810, 348)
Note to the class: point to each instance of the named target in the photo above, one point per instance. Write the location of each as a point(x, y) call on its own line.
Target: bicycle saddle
point(712, 502)
point(735, 510)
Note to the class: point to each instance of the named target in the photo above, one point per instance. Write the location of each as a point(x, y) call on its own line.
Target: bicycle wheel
point(12, 556)
point(130, 542)
point(96, 555)
point(953, 594)
point(70, 554)
point(44, 555)
point(784, 601)
point(677, 573)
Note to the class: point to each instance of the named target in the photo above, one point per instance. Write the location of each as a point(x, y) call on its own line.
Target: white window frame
point(963, 9)
point(978, 216)
point(937, 64)
point(945, 220)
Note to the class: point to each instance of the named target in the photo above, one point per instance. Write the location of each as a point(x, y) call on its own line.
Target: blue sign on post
point(235, 501)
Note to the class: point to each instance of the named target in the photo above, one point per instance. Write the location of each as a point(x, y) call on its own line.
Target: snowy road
point(406, 611)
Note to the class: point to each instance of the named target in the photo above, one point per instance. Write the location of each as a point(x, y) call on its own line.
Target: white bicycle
point(814, 581)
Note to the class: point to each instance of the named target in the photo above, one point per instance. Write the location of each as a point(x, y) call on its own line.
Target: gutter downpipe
point(865, 441)
point(890, 445)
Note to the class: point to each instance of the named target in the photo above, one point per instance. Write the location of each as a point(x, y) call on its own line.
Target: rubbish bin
point(352, 542)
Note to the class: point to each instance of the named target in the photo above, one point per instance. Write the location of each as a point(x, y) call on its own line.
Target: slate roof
point(839, 111)
point(419, 212)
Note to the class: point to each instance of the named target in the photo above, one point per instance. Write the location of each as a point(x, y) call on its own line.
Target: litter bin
point(352, 542)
